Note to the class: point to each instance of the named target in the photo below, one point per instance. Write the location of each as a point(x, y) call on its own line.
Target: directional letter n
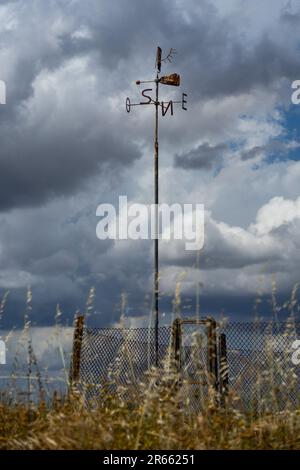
point(165, 110)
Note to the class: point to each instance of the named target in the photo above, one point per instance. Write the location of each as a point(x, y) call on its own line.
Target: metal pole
point(76, 353)
point(173, 80)
point(156, 199)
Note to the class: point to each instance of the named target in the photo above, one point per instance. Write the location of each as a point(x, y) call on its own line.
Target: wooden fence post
point(76, 353)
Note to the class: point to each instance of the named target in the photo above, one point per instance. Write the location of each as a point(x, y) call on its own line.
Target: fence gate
point(127, 354)
point(200, 357)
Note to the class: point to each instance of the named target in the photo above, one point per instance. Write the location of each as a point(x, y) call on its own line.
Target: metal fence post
point(177, 343)
point(76, 353)
point(224, 372)
point(212, 351)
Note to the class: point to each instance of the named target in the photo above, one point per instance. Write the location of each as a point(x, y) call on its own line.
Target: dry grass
point(156, 416)
point(156, 421)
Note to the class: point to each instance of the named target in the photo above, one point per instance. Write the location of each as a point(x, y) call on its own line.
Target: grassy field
point(156, 419)
point(153, 414)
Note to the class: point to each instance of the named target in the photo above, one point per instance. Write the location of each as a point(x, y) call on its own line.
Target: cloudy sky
point(67, 145)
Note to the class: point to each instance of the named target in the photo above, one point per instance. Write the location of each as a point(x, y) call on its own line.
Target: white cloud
point(69, 68)
point(277, 212)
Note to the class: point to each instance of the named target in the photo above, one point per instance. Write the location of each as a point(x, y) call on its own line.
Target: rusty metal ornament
point(158, 59)
point(173, 79)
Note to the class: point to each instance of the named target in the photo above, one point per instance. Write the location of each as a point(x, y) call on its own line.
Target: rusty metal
point(158, 59)
point(138, 82)
point(177, 343)
point(170, 55)
point(223, 367)
point(76, 353)
point(212, 345)
point(212, 351)
point(156, 201)
point(174, 80)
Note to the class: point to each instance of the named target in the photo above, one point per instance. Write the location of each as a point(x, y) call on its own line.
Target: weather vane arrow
point(173, 80)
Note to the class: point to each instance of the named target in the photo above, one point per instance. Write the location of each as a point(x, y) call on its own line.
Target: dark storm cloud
point(253, 153)
point(44, 159)
point(37, 163)
point(290, 17)
point(64, 126)
point(261, 65)
point(125, 32)
point(216, 58)
point(39, 166)
point(205, 156)
point(276, 148)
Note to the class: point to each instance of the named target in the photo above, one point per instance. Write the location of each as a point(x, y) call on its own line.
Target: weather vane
point(165, 106)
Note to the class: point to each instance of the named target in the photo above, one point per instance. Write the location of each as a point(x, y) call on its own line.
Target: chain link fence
point(260, 366)
point(112, 357)
point(249, 360)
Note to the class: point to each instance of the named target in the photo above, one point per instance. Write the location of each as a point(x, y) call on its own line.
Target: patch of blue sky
point(290, 119)
point(291, 123)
